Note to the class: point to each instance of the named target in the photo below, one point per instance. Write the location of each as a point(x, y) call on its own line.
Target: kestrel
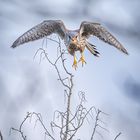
point(75, 40)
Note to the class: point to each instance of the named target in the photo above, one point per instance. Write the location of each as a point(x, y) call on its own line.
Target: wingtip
point(13, 46)
point(125, 51)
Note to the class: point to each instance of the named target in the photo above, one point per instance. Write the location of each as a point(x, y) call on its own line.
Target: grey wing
point(95, 29)
point(41, 30)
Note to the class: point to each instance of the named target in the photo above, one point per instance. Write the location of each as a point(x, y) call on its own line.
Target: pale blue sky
point(111, 82)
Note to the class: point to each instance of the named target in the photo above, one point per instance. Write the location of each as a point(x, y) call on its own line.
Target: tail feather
point(92, 49)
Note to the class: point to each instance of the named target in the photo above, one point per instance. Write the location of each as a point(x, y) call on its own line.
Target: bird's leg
point(74, 62)
point(82, 59)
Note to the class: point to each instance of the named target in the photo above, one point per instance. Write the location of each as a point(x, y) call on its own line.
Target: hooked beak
point(74, 39)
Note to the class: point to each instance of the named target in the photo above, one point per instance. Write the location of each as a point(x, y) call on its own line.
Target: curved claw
point(74, 63)
point(82, 59)
point(74, 66)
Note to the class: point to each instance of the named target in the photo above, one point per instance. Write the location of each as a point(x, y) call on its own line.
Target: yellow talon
point(82, 59)
point(74, 63)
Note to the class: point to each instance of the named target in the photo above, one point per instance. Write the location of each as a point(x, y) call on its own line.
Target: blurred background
point(111, 82)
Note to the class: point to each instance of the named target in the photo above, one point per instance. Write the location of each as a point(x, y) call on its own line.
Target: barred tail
point(92, 49)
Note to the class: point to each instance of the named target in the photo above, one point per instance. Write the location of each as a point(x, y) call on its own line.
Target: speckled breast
point(72, 48)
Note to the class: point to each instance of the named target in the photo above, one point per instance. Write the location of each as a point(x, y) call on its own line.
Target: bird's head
point(73, 37)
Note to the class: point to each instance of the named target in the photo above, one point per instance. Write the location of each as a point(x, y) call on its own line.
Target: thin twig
point(1, 137)
point(117, 136)
point(96, 124)
point(24, 137)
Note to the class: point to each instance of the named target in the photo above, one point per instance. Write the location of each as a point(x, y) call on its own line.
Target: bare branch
point(67, 123)
point(96, 124)
point(29, 116)
point(1, 137)
point(19, 130)
point(117, 136)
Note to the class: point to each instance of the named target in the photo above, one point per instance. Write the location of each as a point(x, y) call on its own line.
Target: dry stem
point(70, 122)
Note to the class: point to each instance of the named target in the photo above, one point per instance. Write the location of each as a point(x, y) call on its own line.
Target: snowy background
point(111, 82)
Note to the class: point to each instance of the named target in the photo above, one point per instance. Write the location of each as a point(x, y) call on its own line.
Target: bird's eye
point(76, 36)
point(70, 37)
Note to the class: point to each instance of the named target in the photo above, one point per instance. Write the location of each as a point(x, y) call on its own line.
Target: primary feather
point(41, 30)
point(96, 29)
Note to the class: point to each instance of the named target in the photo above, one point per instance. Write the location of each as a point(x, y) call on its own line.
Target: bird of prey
point(75, 40)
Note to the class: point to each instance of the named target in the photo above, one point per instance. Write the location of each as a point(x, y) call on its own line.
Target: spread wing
point(41, 30)
point(95, 29)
